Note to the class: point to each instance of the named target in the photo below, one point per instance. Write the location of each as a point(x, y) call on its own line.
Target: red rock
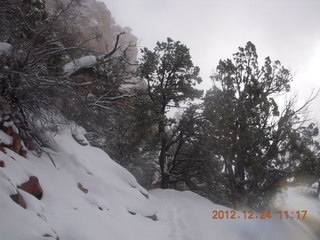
point(2, 163)
point(16, 143)
point(83, 189)
point(2, 150)
point(80, 141)
point(8, 130)
point(31, 145)
point(17, 124)
point(55, 128)
point(18, 199)
point(33, 187)
point(23, 153)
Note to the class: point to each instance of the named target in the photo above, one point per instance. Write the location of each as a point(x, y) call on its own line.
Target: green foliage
point(171, 78)
point(170, 74)
point(247, 130)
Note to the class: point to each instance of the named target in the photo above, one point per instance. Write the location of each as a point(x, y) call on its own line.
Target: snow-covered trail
point(188, 216)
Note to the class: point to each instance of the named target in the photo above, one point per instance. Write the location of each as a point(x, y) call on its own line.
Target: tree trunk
point(239, 180)
point(232, 182)
point(164, 181)
point(241, 154)
point(163, 166)
point(239, 170)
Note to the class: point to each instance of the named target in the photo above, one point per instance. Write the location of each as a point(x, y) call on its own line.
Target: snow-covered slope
point(87, 196)
point(115, 206)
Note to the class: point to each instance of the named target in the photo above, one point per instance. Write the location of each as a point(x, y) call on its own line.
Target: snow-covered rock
point(5, 138)
point(5, 48)
point(76, 64)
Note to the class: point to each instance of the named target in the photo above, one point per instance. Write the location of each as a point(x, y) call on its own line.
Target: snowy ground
point(116, 207)
point(189, 217)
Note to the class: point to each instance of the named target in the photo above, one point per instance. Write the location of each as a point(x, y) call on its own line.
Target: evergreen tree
point(255, 140)
point(171, 78)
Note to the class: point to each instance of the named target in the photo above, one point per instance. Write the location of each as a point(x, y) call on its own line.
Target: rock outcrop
point(94, 17)
point(12, 136)
point(83, 189)
point(18, 199)
point(32, 187)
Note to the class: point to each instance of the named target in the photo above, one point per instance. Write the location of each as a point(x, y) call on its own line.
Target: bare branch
point(115, 48)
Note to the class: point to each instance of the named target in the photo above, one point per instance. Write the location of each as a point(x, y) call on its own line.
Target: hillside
point(87, 136)
point(86, 195)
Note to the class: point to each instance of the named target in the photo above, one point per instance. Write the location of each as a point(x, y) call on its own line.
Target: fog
point(285, 30)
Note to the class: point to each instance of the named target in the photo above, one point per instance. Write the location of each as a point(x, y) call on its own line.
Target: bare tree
point(32, 79)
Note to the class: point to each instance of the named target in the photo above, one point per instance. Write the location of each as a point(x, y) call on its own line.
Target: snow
point(127, 87)
point(5, 48)
point(76, 64)
point(65, 210)
point(12, 125)
point(189, 216)
point(116, 207)
point(5, 138)
point(315, 185)
point(94, 22)
point(295, 197)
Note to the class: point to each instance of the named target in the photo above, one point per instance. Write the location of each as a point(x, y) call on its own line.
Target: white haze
point(287, 30)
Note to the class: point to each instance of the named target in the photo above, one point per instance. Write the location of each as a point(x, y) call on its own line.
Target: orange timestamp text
point(232, 214)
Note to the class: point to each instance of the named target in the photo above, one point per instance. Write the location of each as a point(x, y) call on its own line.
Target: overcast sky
point(285, 30)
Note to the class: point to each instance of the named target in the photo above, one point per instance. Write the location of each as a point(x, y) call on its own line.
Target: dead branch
point(115, 48)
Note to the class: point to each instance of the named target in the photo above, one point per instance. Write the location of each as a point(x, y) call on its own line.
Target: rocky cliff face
point(93, 16)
